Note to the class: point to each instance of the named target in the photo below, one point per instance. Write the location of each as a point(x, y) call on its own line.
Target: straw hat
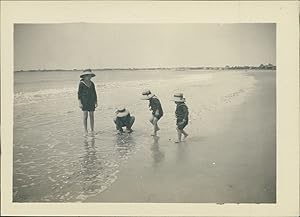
point(87, 72)
point(178, 97)
point(122, 112)
point(147, 95)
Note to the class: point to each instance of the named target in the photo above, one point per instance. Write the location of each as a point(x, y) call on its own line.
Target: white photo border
point(284, 14)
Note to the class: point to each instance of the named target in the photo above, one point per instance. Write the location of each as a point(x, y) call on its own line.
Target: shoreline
point(235, 165)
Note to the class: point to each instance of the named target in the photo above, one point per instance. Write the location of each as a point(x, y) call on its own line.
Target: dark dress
point(155, 105)
point(87, 96)
point(182, 113)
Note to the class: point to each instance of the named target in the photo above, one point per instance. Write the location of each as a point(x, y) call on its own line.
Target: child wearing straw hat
point(182, 115)
point(87, 98)
point(155, 107)
point(123, 119)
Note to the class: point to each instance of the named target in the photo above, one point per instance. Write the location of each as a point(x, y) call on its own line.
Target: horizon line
point(154, 68)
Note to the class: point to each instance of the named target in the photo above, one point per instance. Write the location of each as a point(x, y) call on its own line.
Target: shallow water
point(54, 162)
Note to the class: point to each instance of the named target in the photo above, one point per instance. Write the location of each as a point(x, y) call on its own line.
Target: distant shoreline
point(261, 67)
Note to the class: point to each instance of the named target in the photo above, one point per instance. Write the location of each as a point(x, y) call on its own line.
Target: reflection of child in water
point(125, 144)
point(89, 168)
point(157, 154)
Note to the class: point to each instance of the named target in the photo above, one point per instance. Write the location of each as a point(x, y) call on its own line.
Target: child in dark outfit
point(182, 116)
point(123, 119)
point(155, 107)
point(87, 98)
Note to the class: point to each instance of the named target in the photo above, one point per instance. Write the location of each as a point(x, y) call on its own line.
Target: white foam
point(44, 95)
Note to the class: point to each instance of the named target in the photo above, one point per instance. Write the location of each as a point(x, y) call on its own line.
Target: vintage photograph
point(144, 113)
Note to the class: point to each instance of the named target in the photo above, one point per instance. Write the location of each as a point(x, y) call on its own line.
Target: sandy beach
point(229, 157)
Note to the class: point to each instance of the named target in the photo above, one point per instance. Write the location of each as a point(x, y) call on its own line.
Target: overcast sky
point(69, 46)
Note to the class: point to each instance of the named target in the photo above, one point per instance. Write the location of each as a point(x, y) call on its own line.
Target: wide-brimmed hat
point(147, 95)
point(87, 72)
point(122, 112)
point(178, 97)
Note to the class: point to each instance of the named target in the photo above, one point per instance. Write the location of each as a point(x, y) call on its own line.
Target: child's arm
point(183, 113)
point(95, 93)
point(155, 107)
point(79, 96)
point(186, 113)
point(80, 104)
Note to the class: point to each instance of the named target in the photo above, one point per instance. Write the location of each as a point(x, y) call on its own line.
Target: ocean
point(53, 162)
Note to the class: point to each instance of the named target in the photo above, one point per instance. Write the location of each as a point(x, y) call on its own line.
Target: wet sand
point(230, 155)
point(232, 160)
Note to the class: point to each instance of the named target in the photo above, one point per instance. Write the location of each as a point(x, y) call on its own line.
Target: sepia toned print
point(217, 144)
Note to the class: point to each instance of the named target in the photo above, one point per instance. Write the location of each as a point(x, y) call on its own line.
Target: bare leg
point(92, 121)
point(85, 116)
point(151, 119)
point(179, 132)
point(185, 134)
point(155, 126)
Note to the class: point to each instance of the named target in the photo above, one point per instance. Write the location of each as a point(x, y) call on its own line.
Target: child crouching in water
point(123, 119)
point(87, 98)
point(182, 116)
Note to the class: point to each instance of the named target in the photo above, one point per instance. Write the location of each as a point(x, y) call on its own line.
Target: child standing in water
point(156, 108)
point(182, 115)
point(87, 98)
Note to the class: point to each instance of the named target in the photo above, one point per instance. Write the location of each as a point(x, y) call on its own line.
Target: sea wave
point(24, 98)
point(43, 95)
